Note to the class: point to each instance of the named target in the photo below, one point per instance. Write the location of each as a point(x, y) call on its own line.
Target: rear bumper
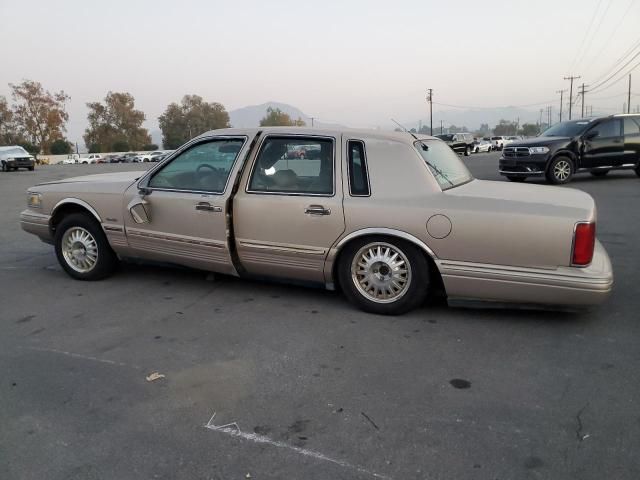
point(563, 286)
point(37, 224)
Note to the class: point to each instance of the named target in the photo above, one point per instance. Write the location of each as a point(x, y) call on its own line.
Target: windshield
point(15, 151)
point(567, 129)
point(444, 163)
point(447, 138)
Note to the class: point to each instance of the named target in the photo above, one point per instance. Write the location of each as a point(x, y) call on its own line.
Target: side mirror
point(591, 135)
point(140, 210)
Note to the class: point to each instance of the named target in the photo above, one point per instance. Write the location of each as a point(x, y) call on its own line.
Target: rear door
point(603, 145)
point(288, 212)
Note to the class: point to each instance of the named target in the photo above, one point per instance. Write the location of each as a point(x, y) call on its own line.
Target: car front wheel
point(82, 248)
point(382, 275)
point(560, 170)
point(467, 151)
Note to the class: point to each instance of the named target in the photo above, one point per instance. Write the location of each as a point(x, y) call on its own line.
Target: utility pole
point(629, 96)
point(430, 100)
point(571, 78)
point(582, 95)
point(440, 127)
point(311, 121)
point(561, 92)
point(540, 128)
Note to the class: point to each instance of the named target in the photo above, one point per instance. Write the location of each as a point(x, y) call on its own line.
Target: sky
point(352, 62)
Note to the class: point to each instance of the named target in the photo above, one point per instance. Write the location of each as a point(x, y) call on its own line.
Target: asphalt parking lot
point(310, 387)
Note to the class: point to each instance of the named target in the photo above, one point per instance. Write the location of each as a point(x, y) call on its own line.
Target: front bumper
point(529, 166)
point(20, 163)
point(37, 224)
point(563, 286)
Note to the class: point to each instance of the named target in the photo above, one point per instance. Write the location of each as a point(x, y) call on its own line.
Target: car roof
point(404, 137)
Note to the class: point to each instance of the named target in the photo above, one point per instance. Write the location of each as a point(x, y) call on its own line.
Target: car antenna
point(425, 147)
point(405, 129)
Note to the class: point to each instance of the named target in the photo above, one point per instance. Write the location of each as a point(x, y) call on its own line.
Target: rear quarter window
point(357, 168)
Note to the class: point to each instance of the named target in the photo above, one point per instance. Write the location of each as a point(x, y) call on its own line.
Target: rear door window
point(357, 166)
point(631, 126)
point(608, 129)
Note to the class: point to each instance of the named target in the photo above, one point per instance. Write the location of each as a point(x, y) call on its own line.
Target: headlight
point(34, 200)
point(538, 150)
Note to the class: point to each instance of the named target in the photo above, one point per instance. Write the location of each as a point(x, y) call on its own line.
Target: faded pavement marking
point(232, 429)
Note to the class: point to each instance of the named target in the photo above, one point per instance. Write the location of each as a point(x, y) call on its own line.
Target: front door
point(288, 211)
point(603, 145)
point(187, 206)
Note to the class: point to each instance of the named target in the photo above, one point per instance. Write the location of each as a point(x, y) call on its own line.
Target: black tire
point(516, 179)
point(560, 170)
point(599, 173)
point(4, 167)
point(637, 170)
point(31, 169)
point(106, 259)
point(467, 151)
point(414, 292)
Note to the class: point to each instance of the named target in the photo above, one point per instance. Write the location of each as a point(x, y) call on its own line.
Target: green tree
point(8, 133)
point(120, 146)
point(116, 121)
point(32, 148)
point(60, 147)
point(529, 130)
point(277, 118)
point(190, 118)
point(95, 148)
point(149, 146)
point(505, 128)
point(39, 115)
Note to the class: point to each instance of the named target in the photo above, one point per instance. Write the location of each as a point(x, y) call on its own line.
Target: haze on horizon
point(357, 62)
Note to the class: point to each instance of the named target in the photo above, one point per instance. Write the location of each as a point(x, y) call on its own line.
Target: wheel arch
point(68, 206)
point(563, 153)
point(336, 251)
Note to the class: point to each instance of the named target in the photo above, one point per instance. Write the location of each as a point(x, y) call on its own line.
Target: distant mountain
point(248, 117)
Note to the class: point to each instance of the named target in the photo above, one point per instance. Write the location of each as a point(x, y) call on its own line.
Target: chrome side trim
point(515, 174)
point(282, 248)
point(76, 201)
point(110, 228)
point(177, 239)
point(386, 231)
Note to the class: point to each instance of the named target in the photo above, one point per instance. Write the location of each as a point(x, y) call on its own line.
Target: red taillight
point(584, 240)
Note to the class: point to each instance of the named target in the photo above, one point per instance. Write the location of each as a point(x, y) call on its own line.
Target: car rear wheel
point(560, 170)
point(511, 178)
point(382, 275)
point(599, 173)
point(82, 248)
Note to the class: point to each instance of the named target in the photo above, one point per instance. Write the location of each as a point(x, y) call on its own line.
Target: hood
point(539, 141)
point(527, 199)
point(101, 178)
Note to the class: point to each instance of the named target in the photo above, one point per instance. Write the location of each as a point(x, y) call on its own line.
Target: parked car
point(91, 158)
point(129, 157)
point(13, 157)
point(482, 146)
point(594, 145)
point(71, 159)
point(499, 142)
point(108, 159)
point(387, 217)
point(155, 156)
point(459, 142)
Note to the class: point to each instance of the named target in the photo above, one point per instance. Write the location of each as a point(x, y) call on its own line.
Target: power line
point(595, 32)
point(489, 108)
point(586, 34)
point(614, 74)
point(618, 61)
point(615, 30)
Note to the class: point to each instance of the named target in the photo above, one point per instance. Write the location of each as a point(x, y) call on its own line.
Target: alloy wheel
point(381, 272)
point(80, 249)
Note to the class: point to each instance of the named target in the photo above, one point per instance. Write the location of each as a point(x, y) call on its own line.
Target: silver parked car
point(386, 217)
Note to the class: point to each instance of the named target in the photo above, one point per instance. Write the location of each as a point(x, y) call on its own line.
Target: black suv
point(595, 145)
point(459, 142)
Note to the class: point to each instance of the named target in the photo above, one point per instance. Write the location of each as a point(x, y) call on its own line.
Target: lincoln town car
point(385, 217)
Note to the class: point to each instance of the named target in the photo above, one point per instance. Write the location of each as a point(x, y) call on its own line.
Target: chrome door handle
point(317, 210)
point(207, 207)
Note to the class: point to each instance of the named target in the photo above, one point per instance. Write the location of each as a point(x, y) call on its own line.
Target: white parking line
point(232, 429)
